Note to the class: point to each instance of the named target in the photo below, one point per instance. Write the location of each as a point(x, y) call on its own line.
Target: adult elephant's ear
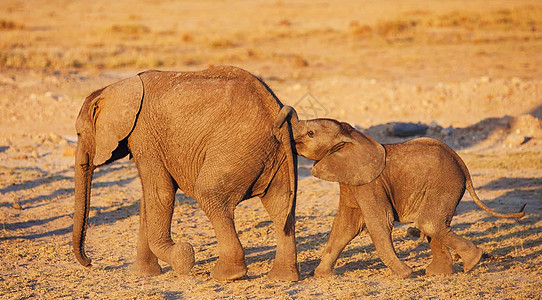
point(357, 160)
point(114, 113)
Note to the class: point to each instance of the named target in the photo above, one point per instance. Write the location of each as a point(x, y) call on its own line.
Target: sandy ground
point(470, 70)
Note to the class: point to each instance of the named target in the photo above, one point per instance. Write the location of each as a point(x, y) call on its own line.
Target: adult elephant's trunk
point(83, 179)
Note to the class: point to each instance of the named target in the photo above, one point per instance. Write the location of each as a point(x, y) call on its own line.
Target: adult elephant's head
point(341, 153)
point(105, 120)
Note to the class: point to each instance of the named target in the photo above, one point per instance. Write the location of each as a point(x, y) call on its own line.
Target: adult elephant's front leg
point(276, 202)
point(156, 213)
point(146, 263)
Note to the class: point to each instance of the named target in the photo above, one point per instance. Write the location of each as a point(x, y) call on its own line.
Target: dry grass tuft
point(222, 43)
point(455, 26)
point(9, 25)
point(130, 29)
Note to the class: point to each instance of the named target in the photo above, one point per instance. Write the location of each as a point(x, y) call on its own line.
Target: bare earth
point(470, 70)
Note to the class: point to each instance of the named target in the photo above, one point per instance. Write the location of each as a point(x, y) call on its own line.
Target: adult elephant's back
point(210, 112)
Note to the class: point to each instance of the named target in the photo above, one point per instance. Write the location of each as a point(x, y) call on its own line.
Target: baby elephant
point(420, 181)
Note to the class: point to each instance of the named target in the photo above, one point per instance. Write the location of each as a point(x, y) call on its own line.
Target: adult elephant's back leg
point(276, 202)
point(218, 190)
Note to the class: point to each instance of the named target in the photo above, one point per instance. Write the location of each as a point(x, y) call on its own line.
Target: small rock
point(413, 232)
point(35, 154)
point(55, 138)
point(69, 151)
point(526, 125)
point(408, 129)
point(516, 80)
point(516, 139)
point(485, 79)
point(54, 96)
point(22, 156)
point(17, 205)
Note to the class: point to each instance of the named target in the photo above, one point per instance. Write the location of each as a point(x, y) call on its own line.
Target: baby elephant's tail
point(477, 200)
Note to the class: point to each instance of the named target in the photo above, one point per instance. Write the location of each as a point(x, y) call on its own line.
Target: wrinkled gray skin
point(208, 133)
point(420, 181)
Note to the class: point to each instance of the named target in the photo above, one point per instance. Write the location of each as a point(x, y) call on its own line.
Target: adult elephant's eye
point(310, 133)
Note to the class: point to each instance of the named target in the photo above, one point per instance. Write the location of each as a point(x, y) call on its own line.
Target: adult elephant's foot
point(182, 258)
point(228, 271)
point(283, 274)
point(146, 269)
point(322, 272)
point(439, 268)
point(470, 259)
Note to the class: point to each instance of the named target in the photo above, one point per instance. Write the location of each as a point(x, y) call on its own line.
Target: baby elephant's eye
point(310, 133)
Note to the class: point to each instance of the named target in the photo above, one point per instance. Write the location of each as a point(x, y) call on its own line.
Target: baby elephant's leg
point(470, 254)
point(346, 226)
point(379, 228)
point(442, 260)
point(442, 234)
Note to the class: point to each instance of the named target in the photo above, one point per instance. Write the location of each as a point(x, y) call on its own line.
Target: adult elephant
point(208, 133)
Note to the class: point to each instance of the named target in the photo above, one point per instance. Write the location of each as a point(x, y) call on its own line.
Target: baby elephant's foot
point(439, 268)
point(471, 259)
point(228, 271)
point(146, 269)
point(182, 258)
point(403, 273)
point(283, 274)
point(323, 272)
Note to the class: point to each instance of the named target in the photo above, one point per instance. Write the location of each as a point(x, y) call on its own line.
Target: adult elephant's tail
point(284, 135)
point(473, 194)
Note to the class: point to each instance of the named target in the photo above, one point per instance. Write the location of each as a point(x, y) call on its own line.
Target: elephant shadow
point(103, 214)
point(457, 138)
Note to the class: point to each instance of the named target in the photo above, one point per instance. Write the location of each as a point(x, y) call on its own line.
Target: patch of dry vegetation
point(457, 26)
point(134, 43)
point(9, 25)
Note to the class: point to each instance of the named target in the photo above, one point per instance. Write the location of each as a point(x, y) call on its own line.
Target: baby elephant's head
point(314, 139)
point(341, 153)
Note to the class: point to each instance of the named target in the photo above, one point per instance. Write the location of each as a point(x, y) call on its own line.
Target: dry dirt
point(470, 70)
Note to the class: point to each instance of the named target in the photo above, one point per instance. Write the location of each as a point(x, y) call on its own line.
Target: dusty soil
point(470, 70)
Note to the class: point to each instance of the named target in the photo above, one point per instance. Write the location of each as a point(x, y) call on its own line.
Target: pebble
point(69, 151)
point(16, 205)
point(515, 139)
point(54, 96)
point(485, 79)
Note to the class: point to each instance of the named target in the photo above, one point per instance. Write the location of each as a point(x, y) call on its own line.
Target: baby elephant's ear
point(356, 161)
